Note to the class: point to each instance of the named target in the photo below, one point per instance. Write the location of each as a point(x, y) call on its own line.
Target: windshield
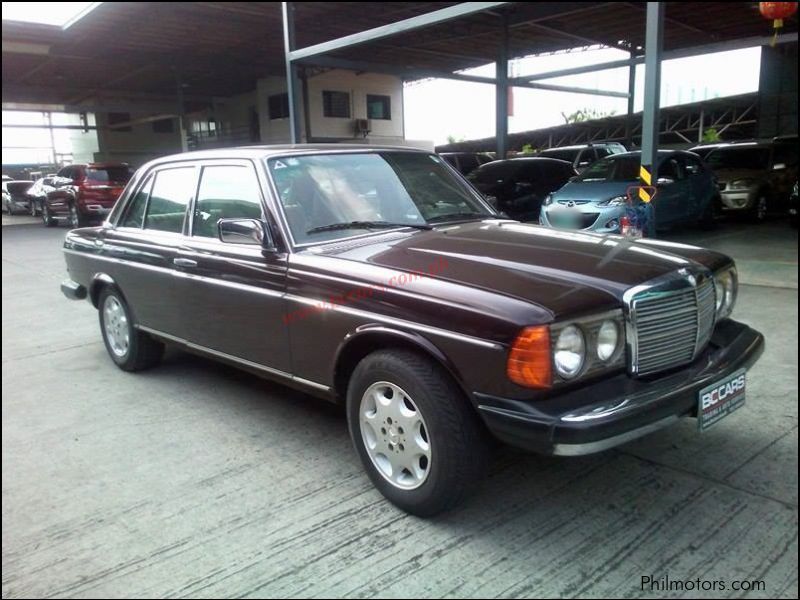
point(613, 168)
point(410, 188)
point(739, 158)
point(120, 174)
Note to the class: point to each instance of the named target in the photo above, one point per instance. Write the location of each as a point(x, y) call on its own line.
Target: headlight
point(741, 184)
point(725, 287)
point(607, 340)
point(615, 201)
point(548, 200)
point(570, 352)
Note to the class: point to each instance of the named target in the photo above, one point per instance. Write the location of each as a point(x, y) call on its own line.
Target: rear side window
point(134, 215)
point(226, 192)
point(172, 190)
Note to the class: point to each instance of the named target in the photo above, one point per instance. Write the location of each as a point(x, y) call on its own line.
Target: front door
point(233, 294)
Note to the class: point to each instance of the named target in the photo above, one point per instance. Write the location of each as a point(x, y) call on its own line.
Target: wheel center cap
point(393, 435)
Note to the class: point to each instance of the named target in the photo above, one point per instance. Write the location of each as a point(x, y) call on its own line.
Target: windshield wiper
point(458, 216)
point(365, 225)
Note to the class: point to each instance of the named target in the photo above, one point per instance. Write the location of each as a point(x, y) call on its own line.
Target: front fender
point(367, 338)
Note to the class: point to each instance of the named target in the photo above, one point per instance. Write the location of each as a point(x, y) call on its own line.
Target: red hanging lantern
point(777, 11)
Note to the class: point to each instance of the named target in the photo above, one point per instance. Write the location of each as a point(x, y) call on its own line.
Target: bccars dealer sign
point(720, 399)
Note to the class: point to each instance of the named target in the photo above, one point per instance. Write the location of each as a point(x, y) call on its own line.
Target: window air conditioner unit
point(362, 127)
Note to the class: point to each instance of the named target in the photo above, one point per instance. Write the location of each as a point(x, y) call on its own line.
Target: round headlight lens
point(719, 290)
point(607, 340)
point(570, 352)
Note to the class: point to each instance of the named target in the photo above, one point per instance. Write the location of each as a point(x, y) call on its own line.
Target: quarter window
point(134, 215)
point(171, 193)
point(226, 192)
point(336, 104)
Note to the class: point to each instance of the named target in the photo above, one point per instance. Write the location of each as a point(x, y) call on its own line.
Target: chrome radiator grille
point(669, 327)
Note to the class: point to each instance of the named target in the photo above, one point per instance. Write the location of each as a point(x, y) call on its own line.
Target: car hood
point(595, 191)
point(726, 175)
point(562, 271)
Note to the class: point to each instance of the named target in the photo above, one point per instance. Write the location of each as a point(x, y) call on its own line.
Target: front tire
point(76, 219)
point(129, 348)
point(418, 438)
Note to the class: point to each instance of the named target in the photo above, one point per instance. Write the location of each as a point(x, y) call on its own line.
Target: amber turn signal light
point(530, 358)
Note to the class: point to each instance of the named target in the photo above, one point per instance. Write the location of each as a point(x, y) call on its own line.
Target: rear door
point(232, 295)
point(141, 248)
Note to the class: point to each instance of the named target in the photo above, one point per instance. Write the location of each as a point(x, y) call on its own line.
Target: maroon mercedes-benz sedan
point(379, 278)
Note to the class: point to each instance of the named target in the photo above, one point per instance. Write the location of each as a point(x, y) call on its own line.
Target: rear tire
point(759, 211)
point(76, 219)
point(419, 393)
point(129, 348)
point(34, 212)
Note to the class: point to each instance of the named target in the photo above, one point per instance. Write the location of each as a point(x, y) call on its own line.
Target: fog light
point(613, 224)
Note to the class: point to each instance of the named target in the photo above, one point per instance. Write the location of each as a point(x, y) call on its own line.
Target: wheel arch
point(99, 282)
point(370, 338)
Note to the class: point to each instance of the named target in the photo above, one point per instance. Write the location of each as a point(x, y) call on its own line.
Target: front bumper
point(739, 200)
point(574, 422)
point(587, 217)
point(73, 290)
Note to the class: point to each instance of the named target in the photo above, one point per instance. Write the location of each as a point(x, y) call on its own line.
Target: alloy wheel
point(116, 325)
point(395, 436)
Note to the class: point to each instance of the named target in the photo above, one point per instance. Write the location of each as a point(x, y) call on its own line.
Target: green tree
point(586, 114)
point(711, 136)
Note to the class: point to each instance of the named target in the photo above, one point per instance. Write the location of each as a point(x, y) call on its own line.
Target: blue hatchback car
point(596, 200)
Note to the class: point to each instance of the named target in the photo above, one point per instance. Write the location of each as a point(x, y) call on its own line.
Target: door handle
point(184, 262)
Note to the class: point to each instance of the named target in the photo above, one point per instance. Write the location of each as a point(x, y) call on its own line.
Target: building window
point(164, 126)
point(379, 107)
point(279, 106)
point(119, 117)
point(336, 104)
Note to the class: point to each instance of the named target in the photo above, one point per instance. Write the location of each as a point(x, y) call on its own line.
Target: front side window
point(379, 107)
point(225, 192)
point(336, 104)
point(172, 190)
point(403, 188)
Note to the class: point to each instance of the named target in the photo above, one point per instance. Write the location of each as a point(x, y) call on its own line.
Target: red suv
point(85, 193)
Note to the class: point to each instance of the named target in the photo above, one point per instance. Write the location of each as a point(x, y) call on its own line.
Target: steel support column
point(292, 74)
point(654, 45)
point(631, 91)
point(501, 93)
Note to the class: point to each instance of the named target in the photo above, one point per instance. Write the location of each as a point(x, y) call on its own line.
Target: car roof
point(581, 146)
point(268, 151)
point(529, 159)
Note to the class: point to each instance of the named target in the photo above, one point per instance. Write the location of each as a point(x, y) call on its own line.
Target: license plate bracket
point(720, 399)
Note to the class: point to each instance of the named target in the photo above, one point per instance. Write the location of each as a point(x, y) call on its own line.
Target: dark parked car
point(583, 156)
point(15, 198)
point(376, 278)
point(518, 186)
point(466, 162)
point(84, 193)
point(704, 150)
point(38, 193)
point(686, 193)
point(755, 179)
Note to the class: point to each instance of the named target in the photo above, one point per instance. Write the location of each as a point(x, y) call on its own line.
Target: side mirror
point(779, 166)
point(244, 231)
point(664, 181)
point(492, 200)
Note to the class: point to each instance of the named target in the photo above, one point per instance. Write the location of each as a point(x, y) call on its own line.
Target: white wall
point(358, 85)
point(137, 146)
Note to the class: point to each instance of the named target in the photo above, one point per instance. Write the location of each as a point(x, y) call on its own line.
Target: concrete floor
point(195, 479)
